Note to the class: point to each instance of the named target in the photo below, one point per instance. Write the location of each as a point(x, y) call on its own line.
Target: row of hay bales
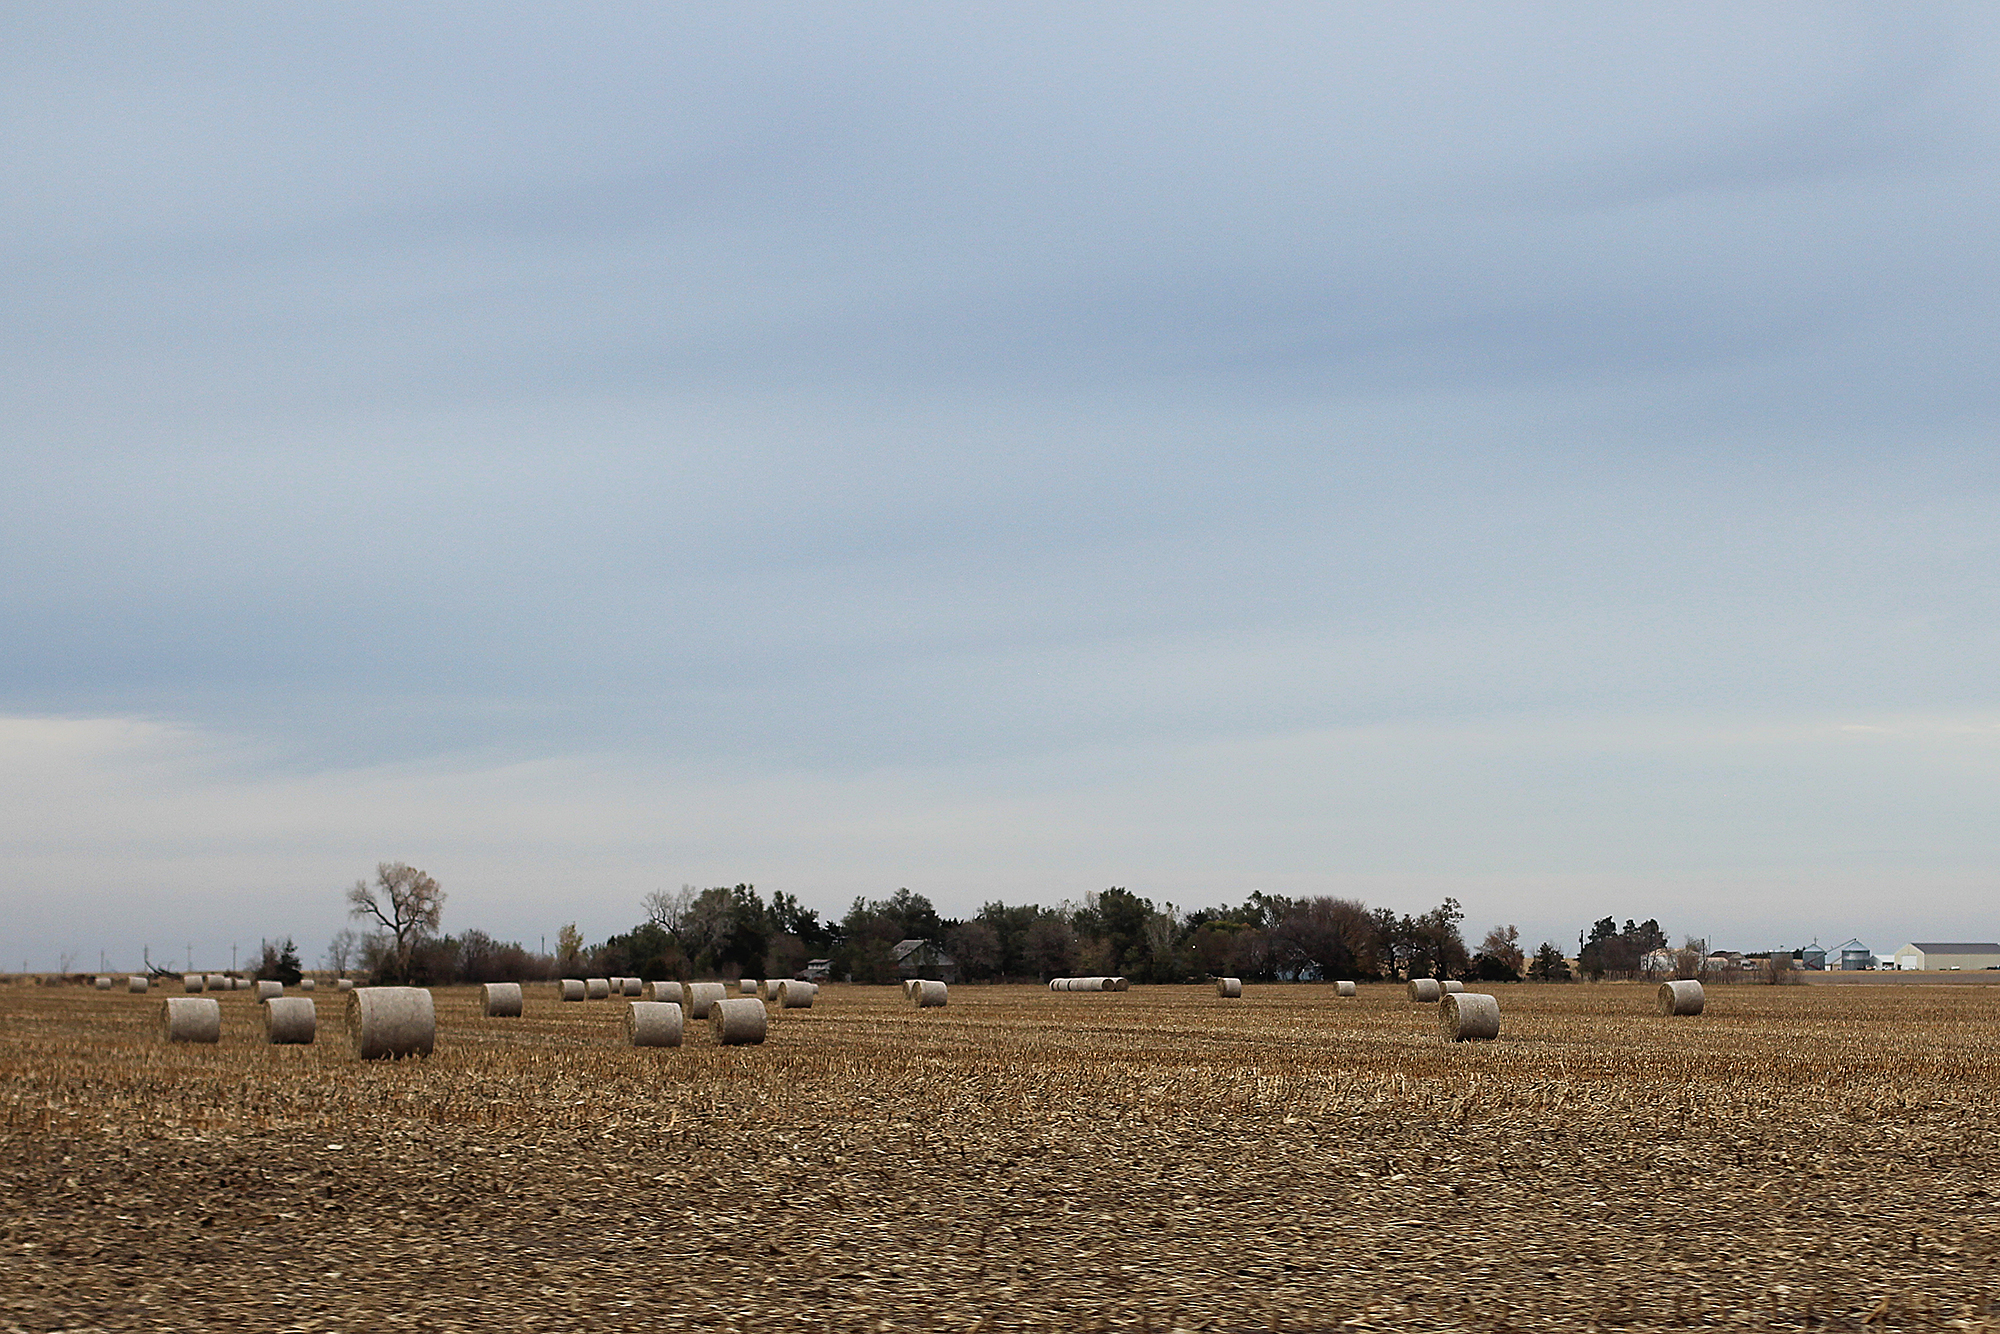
point(660, 1020)
point(786, 993)
point(1231, 988)
point(1090, 984)
point(1465, 1016)
point(402, 1021)
point(195, 983)
point(381, 1021)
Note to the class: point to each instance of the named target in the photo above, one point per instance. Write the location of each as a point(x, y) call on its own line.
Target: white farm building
point(1933, 955)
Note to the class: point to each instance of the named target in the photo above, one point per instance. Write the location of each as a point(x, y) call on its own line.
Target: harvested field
point(1798, 1157)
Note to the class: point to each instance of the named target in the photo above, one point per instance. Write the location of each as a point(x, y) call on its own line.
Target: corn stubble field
point(1803, 1157)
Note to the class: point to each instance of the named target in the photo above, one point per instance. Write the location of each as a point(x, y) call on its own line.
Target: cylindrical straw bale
point(290, 1020)
point(597, 988)
point(191, 983)
point(1055, 984)
point(501, 1000)
point(217, 982)
point(571, 989)
point(1343, 988)
point(391, 1021)
point(796, 995)
point(1231, 987)
point(654, 1023)
point(308, 984)
point(738, 1022)
point(1425, 989)
point(702, 996)
point(1121, 984)
point(930, 995)
point(1467, 1016)
point(239, 984)
point(191, 1019)
point(746, 986)
point(634, 986)
point(1452, 986)
point(103, 984)
point(136, 985)
point(910, 985)
point(1681, 997)
point(267, 989)
point(669, 993)
point(345, 984)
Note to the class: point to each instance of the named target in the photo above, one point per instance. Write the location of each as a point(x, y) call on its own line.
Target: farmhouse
point(1934, 955)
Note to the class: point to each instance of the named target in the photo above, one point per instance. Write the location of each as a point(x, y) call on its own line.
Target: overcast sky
point(1537, 454)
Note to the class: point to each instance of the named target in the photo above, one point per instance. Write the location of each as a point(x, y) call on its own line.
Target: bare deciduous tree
point(697, 919)
point(406, 903)
point(340, 951)
point(1503, 943)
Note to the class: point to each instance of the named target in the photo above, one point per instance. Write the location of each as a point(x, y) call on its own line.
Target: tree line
point(732, 931)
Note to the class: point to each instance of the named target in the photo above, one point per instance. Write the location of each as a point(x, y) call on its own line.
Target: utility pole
point(232, 956)
point(190, 946)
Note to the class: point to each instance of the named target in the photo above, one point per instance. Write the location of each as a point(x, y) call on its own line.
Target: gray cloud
point(960, 396)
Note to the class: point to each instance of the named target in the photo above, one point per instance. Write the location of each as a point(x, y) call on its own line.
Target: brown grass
point(1804, 1157)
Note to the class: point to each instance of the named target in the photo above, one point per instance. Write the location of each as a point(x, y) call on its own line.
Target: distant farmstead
point(923, 958)
point(1954, 955)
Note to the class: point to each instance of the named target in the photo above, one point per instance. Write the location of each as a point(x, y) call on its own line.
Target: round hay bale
point(796, 995)
point(1120, 984)
point(1231, 987)
point(269, 990)
point(702, 996)
point(930, 995)
point(217, 982)
point(290, 1020)
point(345, 984)
point(500, 1000)
point(634, 986)
point(738, 1022)
point(191, 1019)
point(597, 988)
point(391, 1021)
point(1343, 988)
point(746, 986)
point(1466, 1016)
point(308, 984)
point(239, 984)
point(1425, 990)
point(909, 987)
point(136, 985)
point(191, 983)
point(1681, 998)
point(1055, 984)
point(654, 1023)
point(669, 993)
point(102, 984)
point(570, 989)
point(1452, 986)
